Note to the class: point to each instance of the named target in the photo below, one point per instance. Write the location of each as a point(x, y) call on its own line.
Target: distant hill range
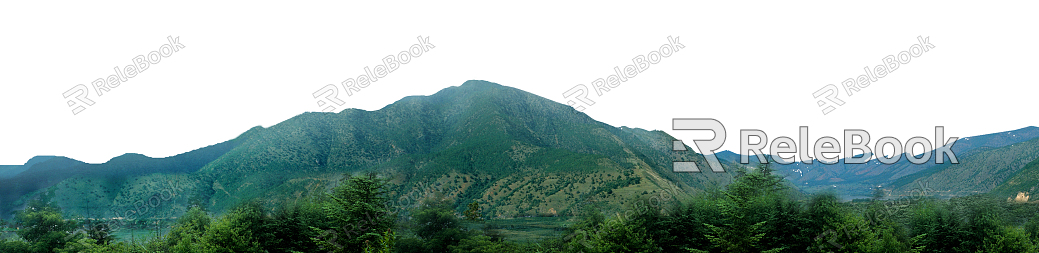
point(516, 153)
point(986, 162)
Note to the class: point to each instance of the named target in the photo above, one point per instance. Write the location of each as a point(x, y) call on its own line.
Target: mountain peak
point(480, 83)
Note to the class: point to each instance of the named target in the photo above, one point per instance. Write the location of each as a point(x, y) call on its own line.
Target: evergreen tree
point(473, 212)
point(357, 212)
point(438, 225)
point(740, 232)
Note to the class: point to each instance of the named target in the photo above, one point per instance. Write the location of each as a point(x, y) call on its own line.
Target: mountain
point(516, 153)
point(8, 171)
point(1022, 185)
point(985, 161)
point(97, 185)
point(980, 172)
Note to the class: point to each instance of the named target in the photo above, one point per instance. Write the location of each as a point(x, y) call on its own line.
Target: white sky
point(749, 65)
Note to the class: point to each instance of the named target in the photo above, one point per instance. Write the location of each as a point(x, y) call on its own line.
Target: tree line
point(755, 213)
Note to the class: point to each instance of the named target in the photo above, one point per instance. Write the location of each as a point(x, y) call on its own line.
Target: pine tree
point(740, 233)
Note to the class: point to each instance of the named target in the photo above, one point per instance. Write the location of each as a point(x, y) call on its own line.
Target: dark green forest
point(755, 213)
point(483, 167)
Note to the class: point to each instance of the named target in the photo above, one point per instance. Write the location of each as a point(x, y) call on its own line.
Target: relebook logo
point(78, 96)
point(328, 96)
point(639, 64)
point(827, 95)
point(825, 148)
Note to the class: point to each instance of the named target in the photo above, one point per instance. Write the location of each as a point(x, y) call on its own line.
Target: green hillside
point(501, 170)
point(88, 189)
point(1024, 183)
point(517, 153)
point(514, 152)
point(979, 172)
point(860, 180)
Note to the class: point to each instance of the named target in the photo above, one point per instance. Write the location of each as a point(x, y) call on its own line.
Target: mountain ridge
point(862, 179)
point(516, 153)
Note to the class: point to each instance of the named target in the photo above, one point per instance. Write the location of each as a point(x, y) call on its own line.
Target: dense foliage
point(492, 153)
point(755, 213)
